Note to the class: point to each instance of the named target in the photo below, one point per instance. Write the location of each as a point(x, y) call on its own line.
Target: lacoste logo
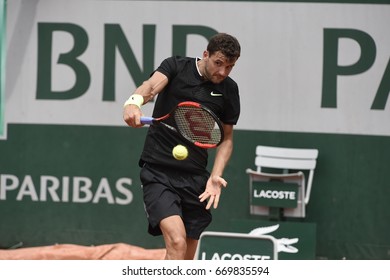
point(215, 94)
point(283, 244)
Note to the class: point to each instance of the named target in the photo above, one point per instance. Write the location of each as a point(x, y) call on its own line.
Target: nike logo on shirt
point(215, 94)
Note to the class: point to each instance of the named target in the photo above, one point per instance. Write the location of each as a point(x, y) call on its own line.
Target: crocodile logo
point(283, 244)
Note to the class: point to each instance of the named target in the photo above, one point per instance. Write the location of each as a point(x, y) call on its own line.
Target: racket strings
point(197, 125)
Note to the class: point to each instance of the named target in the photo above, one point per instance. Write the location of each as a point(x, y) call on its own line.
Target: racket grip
point(147, 120)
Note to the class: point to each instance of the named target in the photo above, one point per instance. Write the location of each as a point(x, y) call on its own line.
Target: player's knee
point(178, 243)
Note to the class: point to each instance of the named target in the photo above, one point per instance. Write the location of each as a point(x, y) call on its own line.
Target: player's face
point(217, 67)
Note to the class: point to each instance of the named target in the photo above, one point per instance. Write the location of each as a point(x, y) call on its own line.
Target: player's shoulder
point(177, 62)
point(180, 59)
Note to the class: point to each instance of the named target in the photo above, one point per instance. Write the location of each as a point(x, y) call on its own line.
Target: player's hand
point(213, 191)
point(132, 115)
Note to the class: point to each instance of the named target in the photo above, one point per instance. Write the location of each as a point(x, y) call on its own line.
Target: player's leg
point(175, 237)
point(191, 248)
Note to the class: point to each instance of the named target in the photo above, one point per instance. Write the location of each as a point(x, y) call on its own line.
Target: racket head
point(198, 124)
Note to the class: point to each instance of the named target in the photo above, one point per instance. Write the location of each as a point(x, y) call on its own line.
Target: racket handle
point(147, 120)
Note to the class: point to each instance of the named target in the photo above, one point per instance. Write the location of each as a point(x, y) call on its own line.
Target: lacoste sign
point(236, 246)
point(275, 194)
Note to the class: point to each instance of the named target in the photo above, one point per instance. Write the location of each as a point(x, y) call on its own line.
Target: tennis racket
point(194, 122)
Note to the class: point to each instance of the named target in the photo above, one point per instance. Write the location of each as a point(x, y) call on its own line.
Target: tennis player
point(178, 195)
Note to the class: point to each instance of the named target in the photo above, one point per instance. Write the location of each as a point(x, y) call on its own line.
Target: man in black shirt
point(178, 195)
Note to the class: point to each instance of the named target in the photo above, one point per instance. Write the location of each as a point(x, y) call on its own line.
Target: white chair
point(287, 165)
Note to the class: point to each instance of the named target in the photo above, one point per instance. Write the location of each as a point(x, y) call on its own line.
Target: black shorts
point(169, 192)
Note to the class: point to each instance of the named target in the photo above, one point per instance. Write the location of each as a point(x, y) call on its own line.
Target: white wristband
point(135, 99)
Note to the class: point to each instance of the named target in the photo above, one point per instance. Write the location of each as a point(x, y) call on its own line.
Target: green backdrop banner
point(38, 205)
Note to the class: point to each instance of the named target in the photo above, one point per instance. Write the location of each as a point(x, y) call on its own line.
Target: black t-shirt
point(185, 84)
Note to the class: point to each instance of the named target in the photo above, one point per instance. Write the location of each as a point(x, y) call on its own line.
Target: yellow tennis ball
point(180, 152)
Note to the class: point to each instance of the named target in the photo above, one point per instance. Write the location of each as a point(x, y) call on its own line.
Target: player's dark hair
point(227, 44)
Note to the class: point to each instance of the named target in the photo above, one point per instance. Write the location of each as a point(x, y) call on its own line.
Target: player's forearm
point(152, 86)
point(146, 91)
point(222, 157)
